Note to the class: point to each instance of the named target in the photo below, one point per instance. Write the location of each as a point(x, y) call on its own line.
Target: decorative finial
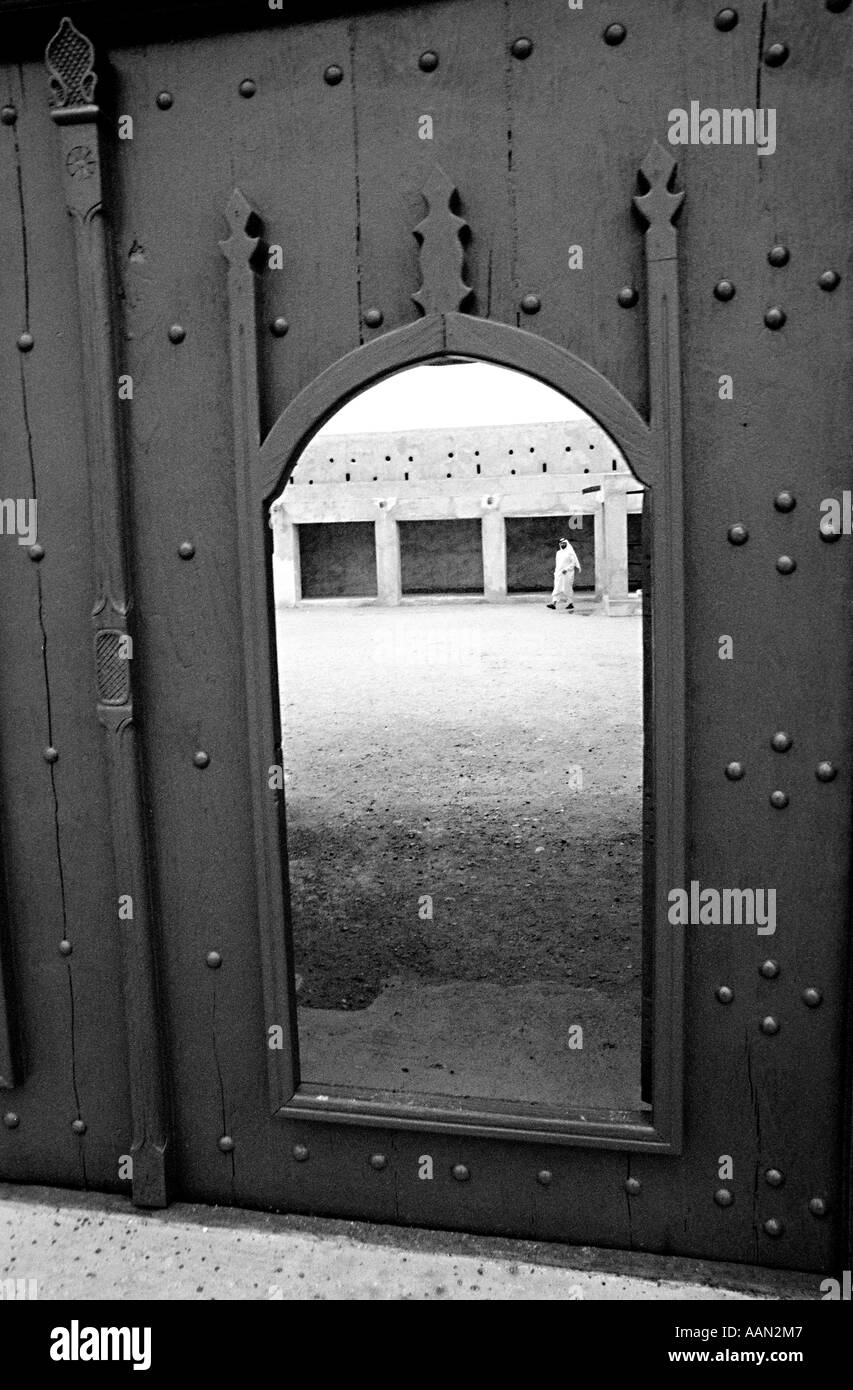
point(659, 205)
point(70, 59)
point(441, 256)
point(240, 246)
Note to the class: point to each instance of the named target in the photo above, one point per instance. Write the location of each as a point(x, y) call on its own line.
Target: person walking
point(564, 575)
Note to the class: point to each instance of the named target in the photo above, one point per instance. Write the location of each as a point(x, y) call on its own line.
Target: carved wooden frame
point(8, 1070)
point(70, 63)
point(653, 449)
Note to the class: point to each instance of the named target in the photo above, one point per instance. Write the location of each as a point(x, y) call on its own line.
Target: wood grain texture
point(8, 1068)
point(56, 820)
point(543, 151)
point(70, 60)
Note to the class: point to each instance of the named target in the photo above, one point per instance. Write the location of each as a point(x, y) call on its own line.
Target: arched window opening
point(461, 667)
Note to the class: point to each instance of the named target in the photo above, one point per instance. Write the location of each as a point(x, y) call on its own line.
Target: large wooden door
point(707, 327)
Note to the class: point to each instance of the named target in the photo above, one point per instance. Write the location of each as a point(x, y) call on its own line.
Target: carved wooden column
point(262, 692)
point(70, 59)
point(8, 1074)
point(664, 769)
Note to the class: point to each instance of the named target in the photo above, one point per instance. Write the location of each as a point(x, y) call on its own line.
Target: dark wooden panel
point(784, 429)
point(55, 818)
point(465, 99)
point(9, 1060)
point(335, 173)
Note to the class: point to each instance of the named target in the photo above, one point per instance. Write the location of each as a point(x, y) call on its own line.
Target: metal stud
point(279, 327)
point(781, 742)
point(164, 100)
point(333, 75)
point(632, 1186)
point(213, 959)
point(522, 48)
point(614, 33)
point(627, 297)
point(828, 532)
point(51, 755)
point(177, 333)
point(201, 759)
point(9, 115)
point(778, 256)
point(544, 1177)
point(36, 552)
point(769, 969)
point(300, 1153)
point(25, 342)
point(65, 948)
point(738, 534)
point(784, 501)
point(812, 998)
point(773, 1226)
point(786, 565)
point(775, 317)
point(773, 1177)
point(817, 1206)
point(776, 54)
point(779, 800)
point(724, 290)
point(460, 1172)
point(78, 1126)
point(725, 995)
point(374, 317)
point(769, 1026)
point(723, 1197)
point(725, 20)
point(226, 1144)
point(186, 550)
point(837, 6)
point(829, 280)
point(247, 87)
point(11, 1120)
point(378, 1162)
point(428, 62)
point(826, 772)
point(531, 304)
point(734, 771)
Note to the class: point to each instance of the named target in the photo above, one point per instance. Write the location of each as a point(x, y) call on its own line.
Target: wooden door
point(240, 258)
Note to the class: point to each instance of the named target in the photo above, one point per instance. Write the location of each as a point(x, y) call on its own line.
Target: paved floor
point(81, 1246)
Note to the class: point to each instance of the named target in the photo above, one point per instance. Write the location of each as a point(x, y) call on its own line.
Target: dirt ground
point(464, 827)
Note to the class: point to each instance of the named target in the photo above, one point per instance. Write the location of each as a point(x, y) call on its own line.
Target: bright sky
point(470, 393)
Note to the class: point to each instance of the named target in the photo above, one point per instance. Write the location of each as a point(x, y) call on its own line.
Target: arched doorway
point(463, 780)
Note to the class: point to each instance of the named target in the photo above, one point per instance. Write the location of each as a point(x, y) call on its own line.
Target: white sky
point(447, 397)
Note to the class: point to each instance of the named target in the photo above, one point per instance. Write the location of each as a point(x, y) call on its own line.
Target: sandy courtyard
point(464, 789)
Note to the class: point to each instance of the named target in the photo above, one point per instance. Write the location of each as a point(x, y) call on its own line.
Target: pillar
point(494, 556)
point(598, 550)
point(286, 566)
point(389, 589)
point(615, 544)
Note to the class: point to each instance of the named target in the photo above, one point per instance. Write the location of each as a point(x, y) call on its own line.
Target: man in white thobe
point(564, 575)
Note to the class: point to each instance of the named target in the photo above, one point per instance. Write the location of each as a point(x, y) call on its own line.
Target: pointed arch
point(456, 335)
